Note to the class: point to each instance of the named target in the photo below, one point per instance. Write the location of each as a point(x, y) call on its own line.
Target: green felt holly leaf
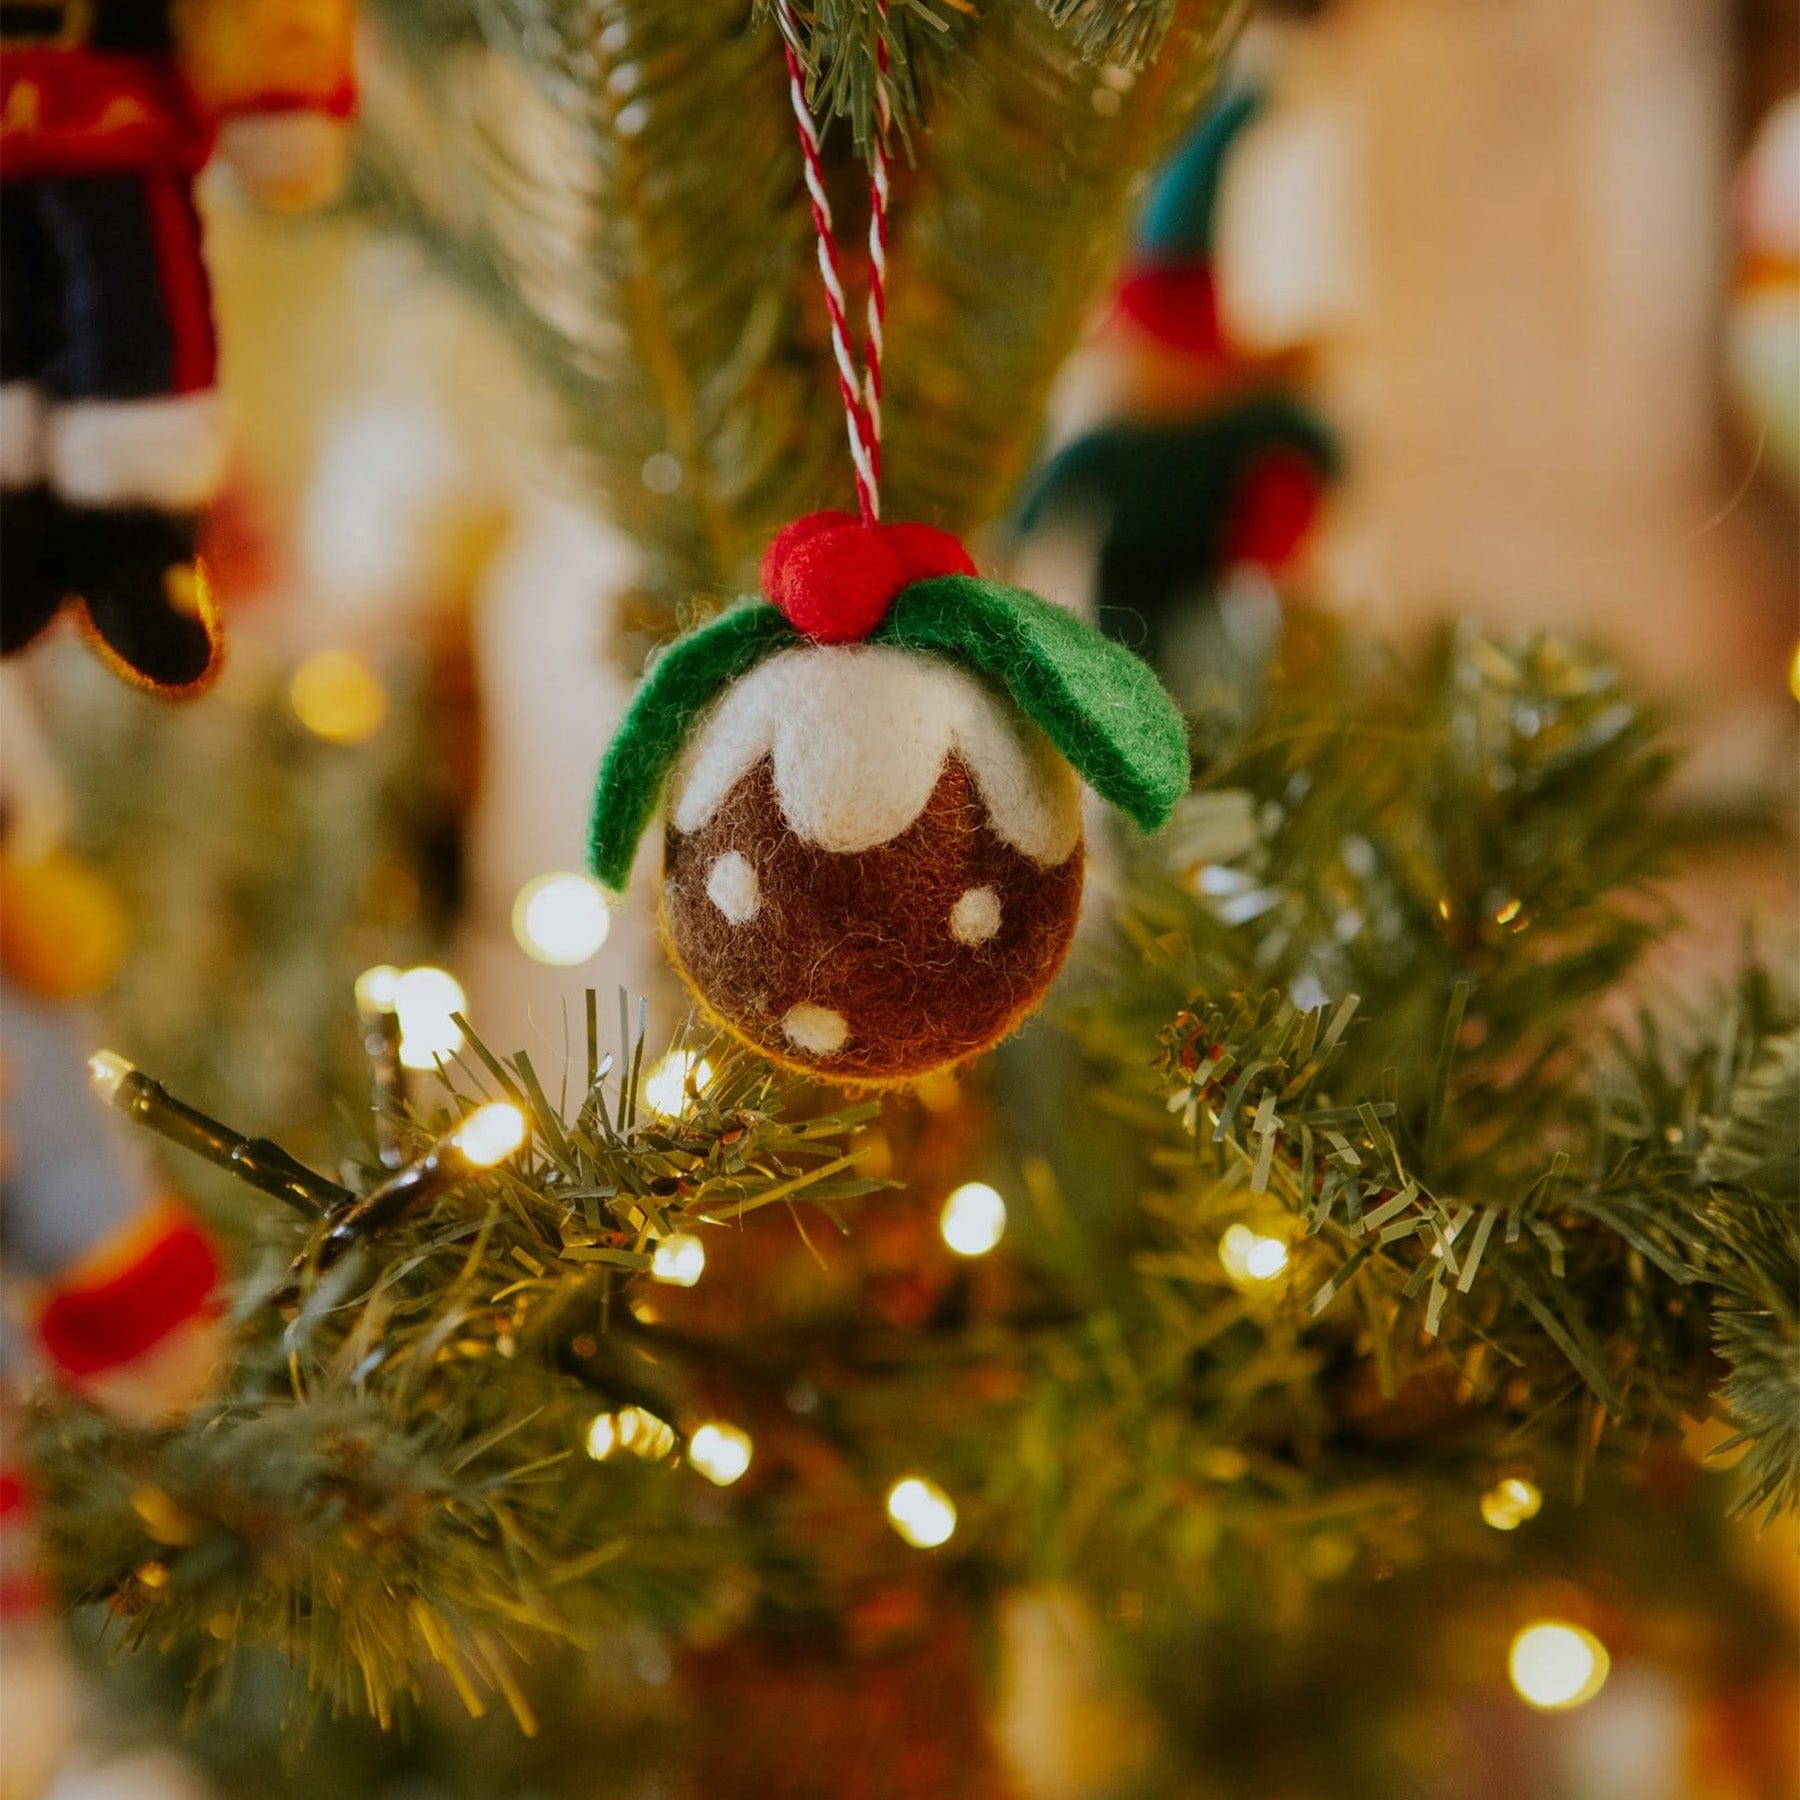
point(1095, 701)
point(680, 684)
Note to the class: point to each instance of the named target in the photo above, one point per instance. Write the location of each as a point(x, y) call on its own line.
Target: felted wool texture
point(1096, 702)
point(846, 964)
point(834, 576)
point(679, 686)
point(857, 736)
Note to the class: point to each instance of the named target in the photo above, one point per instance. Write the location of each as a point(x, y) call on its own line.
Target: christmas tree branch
point(628, 199)
point(1290, 1282)
point(621, 185)
point(1036, 158)
point(394, 1477)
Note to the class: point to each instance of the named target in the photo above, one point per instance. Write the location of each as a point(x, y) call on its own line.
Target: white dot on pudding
point(815, 1028)
point(976, 916)
point(731, 886)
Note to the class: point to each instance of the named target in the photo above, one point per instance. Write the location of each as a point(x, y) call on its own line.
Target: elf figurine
point(1222, 465)
point(111, 437)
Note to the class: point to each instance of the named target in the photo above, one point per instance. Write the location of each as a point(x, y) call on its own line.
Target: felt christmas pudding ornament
point(872, 856)
point(873, 851)
point(112, 441)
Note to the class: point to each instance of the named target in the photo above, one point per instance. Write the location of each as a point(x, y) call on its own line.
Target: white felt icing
point(815, 1028)
point(976, 916)
point(732, 887)
point(165, 452)
point(859, 733)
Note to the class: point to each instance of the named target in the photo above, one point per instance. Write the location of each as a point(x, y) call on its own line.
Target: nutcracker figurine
point(111, 439)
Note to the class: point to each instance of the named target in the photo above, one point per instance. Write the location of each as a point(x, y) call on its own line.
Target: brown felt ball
point(872, 867)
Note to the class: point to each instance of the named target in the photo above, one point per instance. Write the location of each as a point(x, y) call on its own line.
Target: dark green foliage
point(394, 1480)
point(1017, 218)
point(618, 181)
point(1517, 1237)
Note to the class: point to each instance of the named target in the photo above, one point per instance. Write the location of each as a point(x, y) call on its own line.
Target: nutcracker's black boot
point(149, 612)
point(31, 592)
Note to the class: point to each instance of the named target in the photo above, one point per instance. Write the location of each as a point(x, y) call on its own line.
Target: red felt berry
point(924, 552)
point(834, 577)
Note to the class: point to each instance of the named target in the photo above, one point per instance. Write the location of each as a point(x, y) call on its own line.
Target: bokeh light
point(630, 1430)
point(679, 1260)
point(492, 1133)
point(665, 1088)
point(973, 1220)
point(1510, 1502)
point(425, 999)
point(1555, 1666)
point(338, 697)
point(720, 1452)
point(1249, 1257)
point(921, 1512)
point(561, 918)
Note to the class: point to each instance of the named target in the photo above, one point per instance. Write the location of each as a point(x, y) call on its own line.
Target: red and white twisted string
point(861, 393)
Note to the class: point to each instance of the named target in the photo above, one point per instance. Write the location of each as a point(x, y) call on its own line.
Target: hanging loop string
point(861, 393)
point(873, 343)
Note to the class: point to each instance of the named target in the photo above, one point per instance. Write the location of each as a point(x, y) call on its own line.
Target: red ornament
point(1176, 305)
point(834, 576)
point(1275, 506)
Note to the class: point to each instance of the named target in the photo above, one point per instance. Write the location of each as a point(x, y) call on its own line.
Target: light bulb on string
point(561, 918)
point(973, 1220)
point(1250, 1258)
point(1510, 1502)
point(487, 1137)
point(375, 988)
point(679, 1260)
point(665, 1088)
point(720, 1452)
point(922, 1513)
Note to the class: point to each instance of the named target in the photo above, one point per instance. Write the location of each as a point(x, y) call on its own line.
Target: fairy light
point(679, 1260)
point(720, 1452)
point(425, 999)
point(1250, 1258)
point(487, 1136)
point(1556, 1666)
point(1510, 1502)
point(338, 697)
point(973, 1220)
point(666, 1087)
point(108, 1072)
point(630, 1430)
point(561, 918)
point(491, 1134)
point(922, 1513)
point(375, 988)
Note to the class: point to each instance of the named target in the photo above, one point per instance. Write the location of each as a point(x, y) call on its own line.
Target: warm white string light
point(973, 1220)
point(922, 1513)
